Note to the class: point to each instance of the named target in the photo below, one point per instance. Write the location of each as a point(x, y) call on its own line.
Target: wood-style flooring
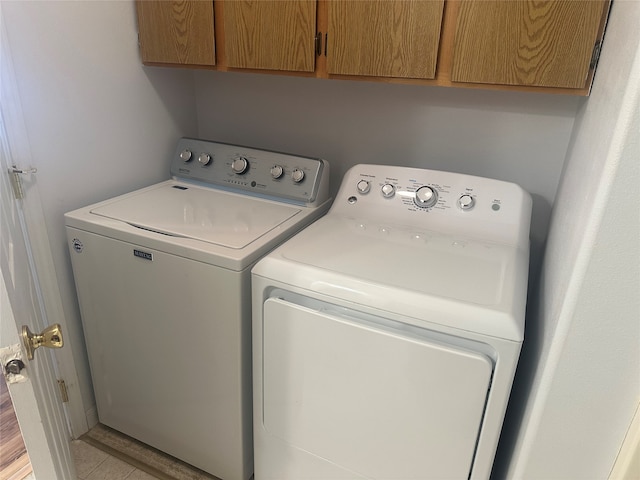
point(14, 460)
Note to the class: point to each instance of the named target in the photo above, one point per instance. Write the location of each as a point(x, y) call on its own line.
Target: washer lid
point(183, 210)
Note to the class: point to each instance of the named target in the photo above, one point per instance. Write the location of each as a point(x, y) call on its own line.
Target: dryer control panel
point(280, 175)
point(481, 208)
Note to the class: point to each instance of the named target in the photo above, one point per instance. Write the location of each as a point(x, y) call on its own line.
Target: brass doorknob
point(51, 337)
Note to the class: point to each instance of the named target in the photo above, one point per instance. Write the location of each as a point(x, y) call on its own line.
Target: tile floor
point(94, 464)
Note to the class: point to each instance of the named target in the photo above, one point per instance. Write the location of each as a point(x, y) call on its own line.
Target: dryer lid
point(183, 210)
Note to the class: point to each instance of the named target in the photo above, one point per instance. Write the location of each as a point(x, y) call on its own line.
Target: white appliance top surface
point(208, 215)
point(409, 259)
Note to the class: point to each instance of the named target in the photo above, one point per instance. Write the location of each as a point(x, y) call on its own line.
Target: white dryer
point(163, 281)
point(386, 335)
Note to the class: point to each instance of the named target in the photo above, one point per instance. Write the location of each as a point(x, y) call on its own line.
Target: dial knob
point(277, 171)
point(466, 202)
point(186, 155)
point(388, 190)
point(425, 197)
point(297, 175)
point(239, 165)
point(363, 186)
point(204, 159)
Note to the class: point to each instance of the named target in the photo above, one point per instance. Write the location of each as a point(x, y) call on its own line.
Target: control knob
point(277, 171)
point(363, 186)
point(466, 202)
point(425, 197)
point(297, 175)
point(186, 155)
point(239, 165)
point(388, 190)
point(204, 159)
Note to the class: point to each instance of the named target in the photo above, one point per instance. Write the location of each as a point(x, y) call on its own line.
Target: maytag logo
point(141, 254)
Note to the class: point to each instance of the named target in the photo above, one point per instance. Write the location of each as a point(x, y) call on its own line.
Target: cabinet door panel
point(275, 35)
point(384, 38)
point(179, 32)
point(542, 43)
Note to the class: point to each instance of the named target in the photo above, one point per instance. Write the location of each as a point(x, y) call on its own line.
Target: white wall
point(97, 122)
point(580, 382)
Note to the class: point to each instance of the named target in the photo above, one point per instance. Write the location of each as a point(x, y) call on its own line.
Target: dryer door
point(377, 400)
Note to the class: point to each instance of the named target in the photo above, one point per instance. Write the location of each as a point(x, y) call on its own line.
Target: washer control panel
point(275, 174)
point(443, 201)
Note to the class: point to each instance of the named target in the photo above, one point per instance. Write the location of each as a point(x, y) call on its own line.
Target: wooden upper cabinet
point(176, 32)
point(529, 43)
point(270, 34)
point(383, 38)
point(532, 45)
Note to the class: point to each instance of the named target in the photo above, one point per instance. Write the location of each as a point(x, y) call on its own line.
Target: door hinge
point(595, 55)
point(16, 180)
point(63, 391)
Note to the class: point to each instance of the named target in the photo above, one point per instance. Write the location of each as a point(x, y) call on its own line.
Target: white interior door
point(36, 401)
point(50, 457)
point(16, 136)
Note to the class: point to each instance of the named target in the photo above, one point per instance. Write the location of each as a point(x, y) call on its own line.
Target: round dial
point(425, 197)
point(204, 159)
point(388, 190)
point(277, 171)
point(466, 202)
point(239, 165)
point(186, 155)
point(363, 186)
point(297, 175)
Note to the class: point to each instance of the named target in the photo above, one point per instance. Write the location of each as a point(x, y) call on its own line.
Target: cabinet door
point(384, 38)
point(176, 32)
point(274, 35)
point(541, 43)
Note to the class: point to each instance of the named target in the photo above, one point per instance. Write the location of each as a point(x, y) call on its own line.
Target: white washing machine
point(163, 280)
point(386, 335)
